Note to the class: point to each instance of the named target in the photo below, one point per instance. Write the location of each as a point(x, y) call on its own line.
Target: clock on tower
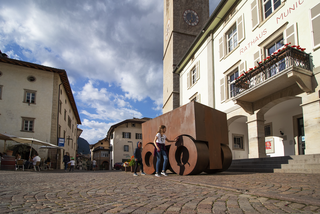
point(183, 20)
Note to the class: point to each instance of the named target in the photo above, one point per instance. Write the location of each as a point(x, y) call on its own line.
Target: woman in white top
point(160, 149)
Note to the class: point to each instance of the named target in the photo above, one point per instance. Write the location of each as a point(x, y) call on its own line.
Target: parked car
point(118, 165)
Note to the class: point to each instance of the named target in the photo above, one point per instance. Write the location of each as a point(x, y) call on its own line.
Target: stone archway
point(261, 112)
point(238, 136)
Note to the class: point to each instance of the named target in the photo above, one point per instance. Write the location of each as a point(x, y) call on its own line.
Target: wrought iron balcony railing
point(279, 62)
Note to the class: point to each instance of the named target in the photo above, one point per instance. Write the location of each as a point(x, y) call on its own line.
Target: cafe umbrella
point(32, 141)
point(24, 140)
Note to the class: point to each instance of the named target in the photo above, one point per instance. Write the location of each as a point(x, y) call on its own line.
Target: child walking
point(72, 163)
point(160, 150)
point(138, 159)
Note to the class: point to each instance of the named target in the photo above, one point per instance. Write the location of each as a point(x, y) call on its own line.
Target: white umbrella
point(51, 147)
point(26, 140)
point(5, 137)
point(31, 141)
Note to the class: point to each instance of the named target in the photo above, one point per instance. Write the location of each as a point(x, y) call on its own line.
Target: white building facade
point(37, 102)
point(123, 138)
point(258, 61)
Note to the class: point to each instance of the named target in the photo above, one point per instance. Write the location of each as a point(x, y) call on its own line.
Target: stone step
point(261, 170)
point(259, 160)
point(312, 171)
point(300, 166)
point(260, 165)
point(286, 164)
point(305, 157)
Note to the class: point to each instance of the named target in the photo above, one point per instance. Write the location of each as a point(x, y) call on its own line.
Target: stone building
point(256, 61)
point(36, 101)
point(123, 138)
point(100, 152)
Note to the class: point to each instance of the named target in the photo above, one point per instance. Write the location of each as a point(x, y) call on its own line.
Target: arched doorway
point(238, 136)
point(105, 165)
point(283, 127)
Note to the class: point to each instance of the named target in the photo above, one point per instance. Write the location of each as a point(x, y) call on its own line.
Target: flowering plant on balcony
point(268, 58)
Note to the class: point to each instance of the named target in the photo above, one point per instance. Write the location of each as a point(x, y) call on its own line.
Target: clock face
point(191, 17)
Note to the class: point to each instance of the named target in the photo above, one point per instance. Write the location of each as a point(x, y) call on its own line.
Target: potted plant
point(132, 163)
point(9, 149)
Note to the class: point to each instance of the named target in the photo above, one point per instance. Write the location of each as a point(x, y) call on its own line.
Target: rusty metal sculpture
point(202, 144)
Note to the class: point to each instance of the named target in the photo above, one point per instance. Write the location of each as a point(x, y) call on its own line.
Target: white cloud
point(96, 40)
point(12, 55)
point(94, 131)
point(105, 105)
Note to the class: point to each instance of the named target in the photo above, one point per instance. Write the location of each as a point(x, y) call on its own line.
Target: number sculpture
point(202, 144)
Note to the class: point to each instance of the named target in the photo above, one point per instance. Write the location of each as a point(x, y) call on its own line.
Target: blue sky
point(112, 52)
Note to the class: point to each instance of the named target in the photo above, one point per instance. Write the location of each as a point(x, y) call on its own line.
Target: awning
point(6, 136)
point(27, 140)
point(51, 147)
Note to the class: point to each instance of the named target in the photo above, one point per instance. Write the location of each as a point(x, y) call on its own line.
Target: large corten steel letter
point(202, 144)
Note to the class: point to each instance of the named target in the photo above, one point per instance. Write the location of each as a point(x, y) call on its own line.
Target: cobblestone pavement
point(120, 192)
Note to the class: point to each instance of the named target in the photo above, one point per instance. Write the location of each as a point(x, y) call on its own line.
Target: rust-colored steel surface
point(202, 134)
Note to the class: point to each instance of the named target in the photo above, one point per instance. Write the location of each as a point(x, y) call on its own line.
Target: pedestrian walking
point(138, 159)
point(89, 164)
point(66, 160)
point(160, 150)
point(94, 164)
point(72, 164)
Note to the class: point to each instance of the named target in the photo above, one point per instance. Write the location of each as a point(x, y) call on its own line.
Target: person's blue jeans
point(165, 160)
point(65, 165)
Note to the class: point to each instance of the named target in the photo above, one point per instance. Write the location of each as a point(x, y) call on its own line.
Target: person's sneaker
point(135, 174)
point(142, 173)
point(157, 175)
point(164, 174)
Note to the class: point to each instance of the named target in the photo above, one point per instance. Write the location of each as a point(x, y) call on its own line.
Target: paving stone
point(116, 191)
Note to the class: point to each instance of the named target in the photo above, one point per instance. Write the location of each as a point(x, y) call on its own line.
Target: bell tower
point(183, 21)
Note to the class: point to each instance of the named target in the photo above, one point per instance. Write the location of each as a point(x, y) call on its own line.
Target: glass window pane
point(27, 97)
point(33, 95)
point(276, 4)
point(267, 9)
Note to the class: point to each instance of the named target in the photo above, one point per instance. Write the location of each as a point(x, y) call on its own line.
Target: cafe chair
point(37, 166)
point(47, 166)
point(19, 164)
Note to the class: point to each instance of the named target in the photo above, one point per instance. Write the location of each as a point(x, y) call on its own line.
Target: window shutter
point(221, 47)
point(242, 67)
point(315, 25)
point(198, 69)
point(240, 27)
point(222, 89)
point(254, 14)
point(291, 34)
point(130, 135)
point(188, 80)
point(257, 57)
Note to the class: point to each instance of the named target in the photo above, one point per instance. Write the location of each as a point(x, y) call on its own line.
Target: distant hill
point(83, 146)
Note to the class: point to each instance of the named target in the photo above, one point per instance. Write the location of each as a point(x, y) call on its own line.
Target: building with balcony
point(100, 152)
point(36, 101)
point(258, 61)
point(123, 138)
